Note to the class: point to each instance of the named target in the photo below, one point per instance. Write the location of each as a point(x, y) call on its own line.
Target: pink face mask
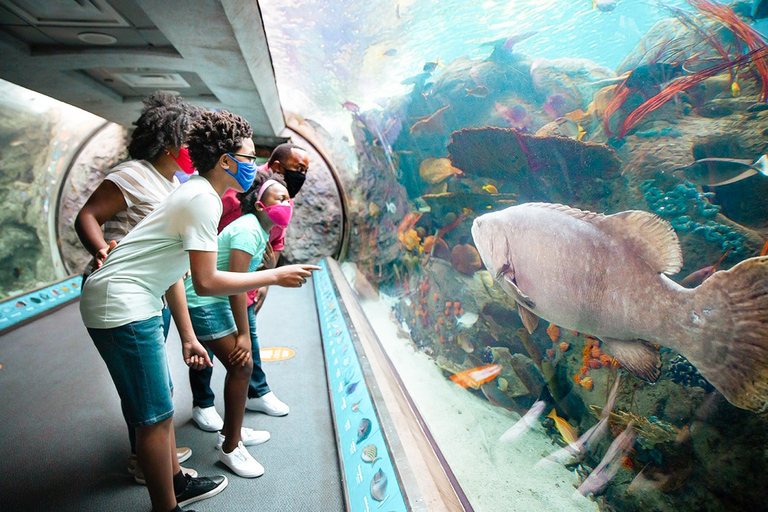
point(280, 214)
point(184, 161)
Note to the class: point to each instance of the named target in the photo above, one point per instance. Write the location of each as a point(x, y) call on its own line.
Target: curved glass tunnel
point(616, 361)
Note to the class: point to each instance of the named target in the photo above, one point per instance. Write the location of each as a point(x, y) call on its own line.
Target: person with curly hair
point(227, 326)
point(121, 301)
point(291, 162)
point(133, 189)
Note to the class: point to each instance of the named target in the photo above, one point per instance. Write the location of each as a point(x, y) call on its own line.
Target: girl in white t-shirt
point(121, 301)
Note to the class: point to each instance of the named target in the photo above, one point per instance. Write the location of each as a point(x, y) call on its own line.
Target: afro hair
point(163, 123)
point(214, 134)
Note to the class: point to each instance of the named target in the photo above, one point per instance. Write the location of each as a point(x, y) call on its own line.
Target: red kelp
point(741, 29)
point(680, 84)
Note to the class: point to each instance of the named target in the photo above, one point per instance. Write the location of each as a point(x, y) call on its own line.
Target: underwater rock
point(466, 259)
point(517, 152)
point(567, 83)
point(441, 249)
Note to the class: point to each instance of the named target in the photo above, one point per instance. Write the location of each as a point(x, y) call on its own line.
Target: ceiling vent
point(153, 80)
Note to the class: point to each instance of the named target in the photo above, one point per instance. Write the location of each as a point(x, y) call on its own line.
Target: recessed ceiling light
point(96, 38)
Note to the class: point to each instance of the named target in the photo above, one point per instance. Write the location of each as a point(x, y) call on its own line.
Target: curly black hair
point(248, 198)
point(164, 122)
point(214, 134)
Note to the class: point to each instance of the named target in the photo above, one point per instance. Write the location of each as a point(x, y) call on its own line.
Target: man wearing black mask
point(293, 163)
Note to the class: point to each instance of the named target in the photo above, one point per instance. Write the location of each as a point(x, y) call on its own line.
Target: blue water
point(328, 52)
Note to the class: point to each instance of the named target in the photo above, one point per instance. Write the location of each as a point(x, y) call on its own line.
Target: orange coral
point(550, 353)
point(626, 463)
point(606, 360)
point(584, 370)
point(595, 364)
point(564, 346)
point(587, 383)
point(448, 304)
point(456, 305)
point(436, 296)
point(577, 378)
point(553, 332)
point(441, 320)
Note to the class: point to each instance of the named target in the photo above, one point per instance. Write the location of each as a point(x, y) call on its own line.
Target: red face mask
point(183, 161)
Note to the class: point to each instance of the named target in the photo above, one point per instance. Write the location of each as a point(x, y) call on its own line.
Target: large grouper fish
point(604, 275)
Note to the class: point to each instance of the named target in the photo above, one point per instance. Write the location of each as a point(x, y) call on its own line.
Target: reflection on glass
point(586, 356)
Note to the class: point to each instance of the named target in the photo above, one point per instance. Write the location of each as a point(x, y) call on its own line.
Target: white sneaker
point(241, 462)
point(268, 404)
point(248, 436)
point(207, 419)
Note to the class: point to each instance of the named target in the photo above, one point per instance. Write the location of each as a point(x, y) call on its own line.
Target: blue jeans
point(200, 380)
point(135, 357)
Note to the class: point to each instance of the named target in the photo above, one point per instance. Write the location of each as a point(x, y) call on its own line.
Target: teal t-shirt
point(245, 234)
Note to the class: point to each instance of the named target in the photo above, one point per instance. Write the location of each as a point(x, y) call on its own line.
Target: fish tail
point(762, 165)
point(729, 334)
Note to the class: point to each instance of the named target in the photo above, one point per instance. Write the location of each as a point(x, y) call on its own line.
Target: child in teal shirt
point(223, 322)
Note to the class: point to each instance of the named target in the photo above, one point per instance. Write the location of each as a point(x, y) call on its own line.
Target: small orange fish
point(566, 430)
point(476, 377)
point(764, 252)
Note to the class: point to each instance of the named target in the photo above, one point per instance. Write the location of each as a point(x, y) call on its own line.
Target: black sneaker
point(201, 488)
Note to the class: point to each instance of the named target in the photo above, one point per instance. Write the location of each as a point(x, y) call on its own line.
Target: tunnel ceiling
point(104, 56)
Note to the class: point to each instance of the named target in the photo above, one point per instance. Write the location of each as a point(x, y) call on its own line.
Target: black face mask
point(293, 181)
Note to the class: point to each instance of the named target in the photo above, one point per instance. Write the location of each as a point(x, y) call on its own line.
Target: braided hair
point(214, 134)
point(249, 198)
point(164, 122)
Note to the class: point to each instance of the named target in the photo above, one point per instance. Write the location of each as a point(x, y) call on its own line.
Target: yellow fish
point(582, 132)
point(566, 430)
point(491, 189)
point(735, 89)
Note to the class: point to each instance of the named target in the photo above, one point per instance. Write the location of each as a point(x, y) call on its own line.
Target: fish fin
point(530, 320)
point(654, 238)
point(762, 165)
point(506, 278)
point(746, 174)
point(639, 357)
point(728, 333)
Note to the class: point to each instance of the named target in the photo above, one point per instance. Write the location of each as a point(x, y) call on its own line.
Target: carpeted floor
point(63, 444)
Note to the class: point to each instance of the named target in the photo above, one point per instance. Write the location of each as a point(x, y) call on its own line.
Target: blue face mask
point(246, 172)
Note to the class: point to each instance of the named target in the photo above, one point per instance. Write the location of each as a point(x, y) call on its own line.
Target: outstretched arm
point(208, 280)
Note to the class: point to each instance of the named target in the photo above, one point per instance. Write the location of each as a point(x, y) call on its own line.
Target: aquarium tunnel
point(540, 228)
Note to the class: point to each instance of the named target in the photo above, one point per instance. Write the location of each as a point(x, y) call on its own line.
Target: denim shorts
point(212, 321)
point(136, 360)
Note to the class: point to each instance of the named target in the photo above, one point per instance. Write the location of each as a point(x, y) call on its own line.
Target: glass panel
point(39, 137)
point(450, 114)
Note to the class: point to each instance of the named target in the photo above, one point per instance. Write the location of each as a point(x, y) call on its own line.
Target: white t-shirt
point(143, 188)
point(152, 257)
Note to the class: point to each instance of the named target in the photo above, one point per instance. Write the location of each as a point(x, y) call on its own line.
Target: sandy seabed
point(496, 476)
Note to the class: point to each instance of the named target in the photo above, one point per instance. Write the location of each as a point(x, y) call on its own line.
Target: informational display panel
point(370, 480)
point(23, 308)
